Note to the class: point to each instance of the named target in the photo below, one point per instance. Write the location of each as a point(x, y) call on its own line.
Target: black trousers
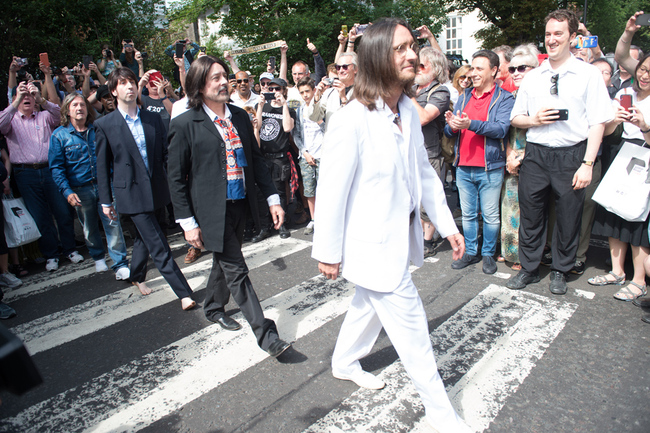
point(150, 239)
point(229, 275)
point(545, 171)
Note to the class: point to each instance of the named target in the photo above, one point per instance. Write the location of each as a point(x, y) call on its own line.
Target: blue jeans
point(90, 213)
point(478, 187)
point(43, 200)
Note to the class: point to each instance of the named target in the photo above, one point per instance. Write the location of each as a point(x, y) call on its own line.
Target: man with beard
point(431, 102)
point(374, 175)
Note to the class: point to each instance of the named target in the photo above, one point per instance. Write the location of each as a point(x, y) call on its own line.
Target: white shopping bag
point(20, 227)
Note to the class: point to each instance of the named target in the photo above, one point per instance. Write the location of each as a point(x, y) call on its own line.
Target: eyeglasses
point(344, 67)
point(401, 49)
point(274, 89)
point(642, 71)
point(242, 81)
point(554, 79)
point(520, 68)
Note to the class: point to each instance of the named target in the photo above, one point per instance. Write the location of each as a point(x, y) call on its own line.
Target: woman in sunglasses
point(524, 59)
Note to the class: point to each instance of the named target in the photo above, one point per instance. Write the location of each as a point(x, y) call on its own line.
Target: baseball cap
point(267, 75)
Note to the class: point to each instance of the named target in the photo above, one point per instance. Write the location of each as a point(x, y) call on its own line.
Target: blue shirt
point(72, 157)
point(135, 125)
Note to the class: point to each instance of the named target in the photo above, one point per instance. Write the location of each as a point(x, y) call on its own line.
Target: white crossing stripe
point(484, 352)
point(67, 325)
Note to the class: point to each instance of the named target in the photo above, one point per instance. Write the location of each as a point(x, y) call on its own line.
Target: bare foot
point(188, 303)
point(143, 288)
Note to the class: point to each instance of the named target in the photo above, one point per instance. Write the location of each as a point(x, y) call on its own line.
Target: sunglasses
point(242, 81)
point(275, 89)
point(463, 77)
point(344, 67)
point(554, 79)
point(264, 83)
point(520, 68)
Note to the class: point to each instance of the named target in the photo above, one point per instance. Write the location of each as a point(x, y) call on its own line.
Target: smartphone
point(361, 28)
point(144, 55)
point(272, 61)
point(643, 20)
point(180, 48)
point(269, 97)
point(44, 59)
point(155, 76)
point(22, 61)
point(626, 102)
point(231, 77)
point(564, 114)
point(86, 59)
point(344, 29)
point(416, 33)
point(202, 49)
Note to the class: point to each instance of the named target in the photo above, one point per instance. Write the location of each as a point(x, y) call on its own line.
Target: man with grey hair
point(431, 101)
point(504, 80)
point(329, 101)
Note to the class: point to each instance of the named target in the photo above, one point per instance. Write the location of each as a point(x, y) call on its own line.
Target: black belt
point(231, 201)
point(275, 155)
point(35, 166)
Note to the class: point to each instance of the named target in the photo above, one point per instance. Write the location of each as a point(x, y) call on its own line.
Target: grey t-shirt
point(432, 131)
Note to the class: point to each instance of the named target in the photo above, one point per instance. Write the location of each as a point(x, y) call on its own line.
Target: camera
point(22, 61)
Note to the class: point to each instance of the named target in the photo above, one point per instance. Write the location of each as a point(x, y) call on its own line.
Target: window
point(454, 35)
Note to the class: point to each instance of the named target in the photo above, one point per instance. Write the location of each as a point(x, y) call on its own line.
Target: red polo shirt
point(472, 146)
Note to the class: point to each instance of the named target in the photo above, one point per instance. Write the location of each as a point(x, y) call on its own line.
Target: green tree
point(252, 23)
point(607, 18)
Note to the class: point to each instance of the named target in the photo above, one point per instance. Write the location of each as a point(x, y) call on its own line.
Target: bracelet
point(350, 42)
point(646, 131)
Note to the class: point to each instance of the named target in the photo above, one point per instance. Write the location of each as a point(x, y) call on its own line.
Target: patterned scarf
point(235, 160)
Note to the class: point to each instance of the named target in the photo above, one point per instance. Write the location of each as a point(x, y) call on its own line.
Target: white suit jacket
point(363, 198)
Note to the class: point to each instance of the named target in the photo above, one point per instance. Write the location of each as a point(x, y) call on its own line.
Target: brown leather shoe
point(192, 255)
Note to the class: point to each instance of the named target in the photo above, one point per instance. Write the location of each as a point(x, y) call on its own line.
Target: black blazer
point(136, 189)
point(197, 171)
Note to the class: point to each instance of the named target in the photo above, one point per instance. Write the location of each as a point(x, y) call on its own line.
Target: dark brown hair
point(306, 81)
point(65, 119)
point(564, 15)
point(377, 75)
point(635, 82)
point(122, 73)
point(197, 76)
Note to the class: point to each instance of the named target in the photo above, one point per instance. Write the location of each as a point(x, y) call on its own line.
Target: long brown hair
point(197, 76)
point(377, 74)
point(65, 109)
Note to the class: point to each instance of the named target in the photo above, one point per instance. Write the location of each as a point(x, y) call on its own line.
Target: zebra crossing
point(485, 351)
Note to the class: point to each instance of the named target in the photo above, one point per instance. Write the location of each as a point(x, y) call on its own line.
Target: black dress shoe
point(277, 347)
point(284, 233)
point(558, 283)
point(489, 265)
point(226, 322)
point(465, 261)
point(263, 234)
point(643, 303)
point(521, 280)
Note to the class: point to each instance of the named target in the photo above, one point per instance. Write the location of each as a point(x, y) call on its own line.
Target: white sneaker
point(75, 257)
point(310, 228)
point(123, 273)
point(52, 265)
point(10, 280)
point(100, 265)
point(363, 379)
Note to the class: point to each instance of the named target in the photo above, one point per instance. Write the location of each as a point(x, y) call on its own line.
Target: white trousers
point(402, 315)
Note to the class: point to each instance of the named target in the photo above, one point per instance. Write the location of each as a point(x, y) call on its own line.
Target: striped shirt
point(28, 137)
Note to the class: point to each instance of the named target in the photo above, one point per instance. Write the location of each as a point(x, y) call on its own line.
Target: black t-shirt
point(156, 106)
point(272, 135)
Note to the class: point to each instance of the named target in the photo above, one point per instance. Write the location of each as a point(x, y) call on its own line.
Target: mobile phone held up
point(563, 113)
point(643, 20)
point(44, 59)
point(180, 49)
point(272, 62)
point(269, 97)
point(626, 102)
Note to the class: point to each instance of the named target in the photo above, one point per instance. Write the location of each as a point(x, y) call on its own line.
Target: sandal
point(516, 267)
point(627, 295)
point(602, 280)
point(18, 270)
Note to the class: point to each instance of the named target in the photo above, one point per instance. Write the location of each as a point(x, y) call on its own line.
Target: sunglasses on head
point(520, 68)
point(344, 67)
point(275, 89)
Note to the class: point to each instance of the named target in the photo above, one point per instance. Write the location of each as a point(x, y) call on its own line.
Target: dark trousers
point(229, 275)
point(150, 240)
point(545, 171)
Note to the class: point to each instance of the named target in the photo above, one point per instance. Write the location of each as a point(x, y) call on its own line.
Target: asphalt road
point(512, 361)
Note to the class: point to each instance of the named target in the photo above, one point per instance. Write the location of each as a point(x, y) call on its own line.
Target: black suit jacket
point(136, 189)
point(197, 171)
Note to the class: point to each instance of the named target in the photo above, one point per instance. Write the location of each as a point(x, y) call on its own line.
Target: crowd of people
point(524, 138)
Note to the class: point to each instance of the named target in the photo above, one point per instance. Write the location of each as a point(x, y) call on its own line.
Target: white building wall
point(458, 35)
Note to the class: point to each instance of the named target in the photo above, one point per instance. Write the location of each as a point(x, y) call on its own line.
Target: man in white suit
point(374, 175)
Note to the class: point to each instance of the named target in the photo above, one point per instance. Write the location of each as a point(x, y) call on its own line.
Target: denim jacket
point(72, 157)
point(494, 130)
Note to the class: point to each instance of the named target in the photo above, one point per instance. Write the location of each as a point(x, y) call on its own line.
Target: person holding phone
point(559, 154)
point(276, 122)
point(128, 57)
point(627, 55)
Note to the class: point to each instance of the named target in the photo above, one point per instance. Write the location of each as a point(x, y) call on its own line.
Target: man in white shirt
point(374, 175)
point(243, 96)
point(564, 105)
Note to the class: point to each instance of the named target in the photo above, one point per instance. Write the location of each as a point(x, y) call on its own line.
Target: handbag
point(625, 188)
point(20, 228)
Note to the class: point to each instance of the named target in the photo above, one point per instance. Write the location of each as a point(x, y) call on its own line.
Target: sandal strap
point(643, 289)
point(620, 278)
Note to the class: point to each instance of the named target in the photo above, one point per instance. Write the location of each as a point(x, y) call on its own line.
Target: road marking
point(484, 352)
point(502, 275)
point(584, 294)
point(79, 320)
point(139, 393)
point(45, 281)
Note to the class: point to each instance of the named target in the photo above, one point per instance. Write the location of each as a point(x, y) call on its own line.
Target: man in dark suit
point(214, 164)
point(131, 150)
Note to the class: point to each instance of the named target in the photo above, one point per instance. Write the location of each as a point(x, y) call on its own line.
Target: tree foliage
point(258, 21)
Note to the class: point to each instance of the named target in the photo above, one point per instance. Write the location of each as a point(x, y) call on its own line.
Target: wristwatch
point(589, 163)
